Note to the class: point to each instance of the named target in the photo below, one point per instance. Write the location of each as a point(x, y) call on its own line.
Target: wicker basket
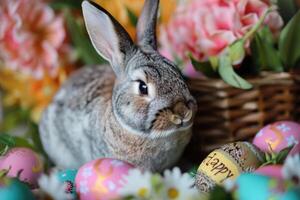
point(226, 114)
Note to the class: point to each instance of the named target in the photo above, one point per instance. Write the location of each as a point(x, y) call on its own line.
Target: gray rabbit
point(138, 110)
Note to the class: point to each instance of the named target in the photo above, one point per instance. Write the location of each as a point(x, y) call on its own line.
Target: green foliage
point(289, 42)
point(266, 56)
point(287, 9)
point(193, 171)
point(277, 158)
point(86, 52)
point(237, 51)
point(219, 192)
point(204, 67)
point(229, 76)
point(59, 4)
point(132, 17)
point(8, 141)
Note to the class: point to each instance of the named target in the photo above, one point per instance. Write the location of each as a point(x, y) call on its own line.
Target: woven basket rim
point(265, 78)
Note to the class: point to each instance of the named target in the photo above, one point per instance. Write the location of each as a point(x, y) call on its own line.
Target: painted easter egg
point(271, 171)
point(260, 187)
point(101, 179)
point(24, 164)
point(68, 177)
point(227, 162)
point(277, 136)
point(13, 189)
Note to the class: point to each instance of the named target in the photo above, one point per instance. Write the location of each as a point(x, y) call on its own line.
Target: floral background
point(43, 41)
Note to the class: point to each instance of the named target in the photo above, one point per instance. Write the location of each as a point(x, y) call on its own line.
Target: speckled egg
point(271, 171)
point(13, 189)
point(101, 179)
point(68, 177)
point(227, 162)
point(259, 187)
point(25, 163)
point(278, 136)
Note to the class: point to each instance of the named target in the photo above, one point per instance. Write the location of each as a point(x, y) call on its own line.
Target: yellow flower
point(30, 93)
point(118, 8)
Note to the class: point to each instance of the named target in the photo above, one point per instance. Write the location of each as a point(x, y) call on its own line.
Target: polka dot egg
point(101, 179)
point(24, 164)
point(277, 136)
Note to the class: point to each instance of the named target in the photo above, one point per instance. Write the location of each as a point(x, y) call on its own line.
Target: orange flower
point(118, 8)
point(30, 93)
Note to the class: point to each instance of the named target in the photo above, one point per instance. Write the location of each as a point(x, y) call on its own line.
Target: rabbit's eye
point(143, 88)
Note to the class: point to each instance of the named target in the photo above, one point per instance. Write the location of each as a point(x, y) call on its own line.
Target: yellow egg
point(227, 162)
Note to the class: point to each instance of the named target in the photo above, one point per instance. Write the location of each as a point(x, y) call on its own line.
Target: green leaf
point(59, 4)
point(265, 55)
point(237, 51)
point(7, 142)
point(83, 45)
point(157, 183)
point(218, 193)
point(204, 67)
point(229, 76)
point(281, 156)
point(214, 61)
point(193, 171)
point(132, 17)
point(287, 9)
point(289, 42)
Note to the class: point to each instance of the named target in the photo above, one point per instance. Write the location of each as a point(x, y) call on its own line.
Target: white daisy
point(53, 187)
point(291, 168)
point(137, 184)
point(179, 186)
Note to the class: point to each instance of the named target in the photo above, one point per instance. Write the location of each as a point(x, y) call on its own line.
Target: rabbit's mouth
point(171, 131)
point(166, 122)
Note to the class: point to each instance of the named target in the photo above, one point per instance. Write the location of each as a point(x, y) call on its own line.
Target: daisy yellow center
point(173, 193)
point(142, 192)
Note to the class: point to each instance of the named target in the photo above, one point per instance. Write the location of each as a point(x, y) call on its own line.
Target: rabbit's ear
point(146, 27)
point(108, 37)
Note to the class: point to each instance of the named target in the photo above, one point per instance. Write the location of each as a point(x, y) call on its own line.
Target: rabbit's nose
point(177, 119)
point(181, 114)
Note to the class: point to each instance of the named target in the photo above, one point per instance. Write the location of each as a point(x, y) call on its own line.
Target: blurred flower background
point(43, 41)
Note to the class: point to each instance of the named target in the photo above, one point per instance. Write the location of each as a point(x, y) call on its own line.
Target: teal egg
point(68, 177)
point(260, 187)
point(13, 189)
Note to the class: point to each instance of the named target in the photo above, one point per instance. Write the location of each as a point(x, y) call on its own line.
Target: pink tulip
point(30, 37)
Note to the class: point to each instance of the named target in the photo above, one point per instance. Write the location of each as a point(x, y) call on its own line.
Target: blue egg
point(15, 190)
point(68, 176)
point(260, 187)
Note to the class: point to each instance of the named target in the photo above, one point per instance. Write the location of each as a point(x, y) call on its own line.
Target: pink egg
point(273, 171)
point(278, 136)
point(23, 162)
point(101, 179)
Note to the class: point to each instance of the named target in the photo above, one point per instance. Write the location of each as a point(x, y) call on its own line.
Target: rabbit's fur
point(102, 111)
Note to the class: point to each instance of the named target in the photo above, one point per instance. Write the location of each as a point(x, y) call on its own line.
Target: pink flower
point(204, 28)
point(30, 37)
